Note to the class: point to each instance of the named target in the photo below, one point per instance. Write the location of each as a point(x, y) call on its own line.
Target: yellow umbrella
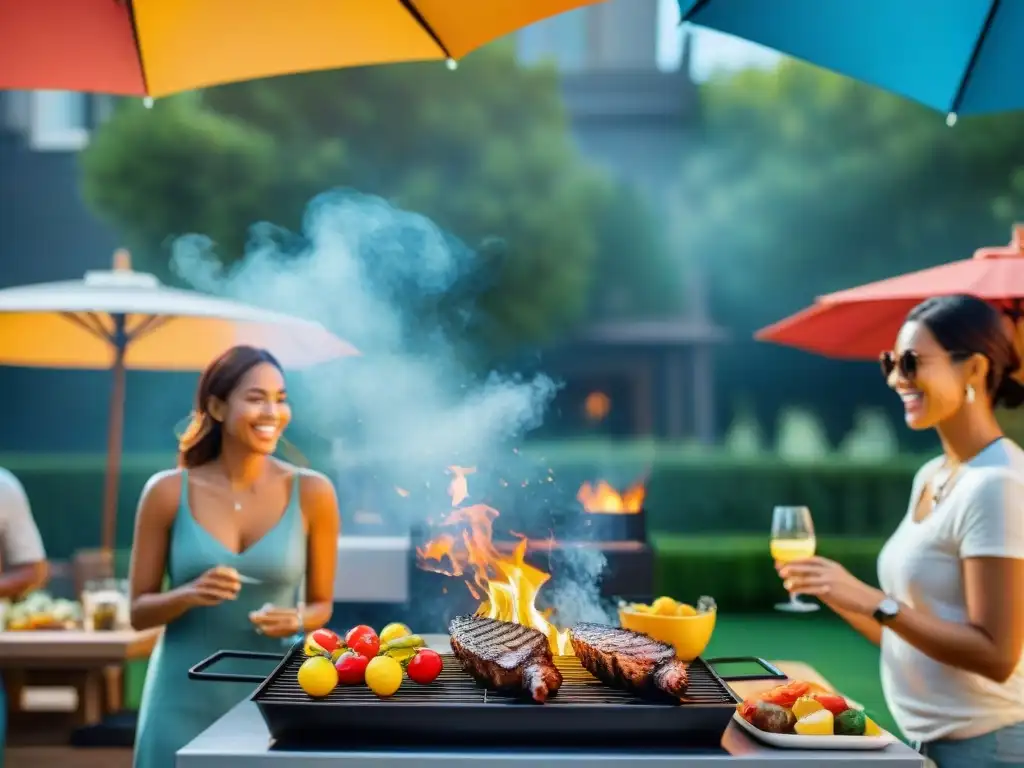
point(158, 47)
point(122, 320)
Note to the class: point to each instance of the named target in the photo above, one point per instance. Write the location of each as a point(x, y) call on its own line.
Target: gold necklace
point(941, 488)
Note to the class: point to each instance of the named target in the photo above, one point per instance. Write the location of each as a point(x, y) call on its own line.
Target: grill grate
point(455, 711)
point(454, 686)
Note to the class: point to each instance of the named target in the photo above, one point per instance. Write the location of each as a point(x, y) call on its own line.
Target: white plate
point(793, 741)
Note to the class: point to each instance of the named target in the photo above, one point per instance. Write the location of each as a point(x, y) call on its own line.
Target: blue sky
point(711, 51)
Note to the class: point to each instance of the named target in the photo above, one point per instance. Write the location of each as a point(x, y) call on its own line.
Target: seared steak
point(623, 659)
point(504, 656)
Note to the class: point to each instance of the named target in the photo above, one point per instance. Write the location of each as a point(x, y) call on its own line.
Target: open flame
point(602, 498)
point(504, 582)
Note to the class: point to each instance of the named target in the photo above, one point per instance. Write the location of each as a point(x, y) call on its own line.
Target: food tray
point(795, 741)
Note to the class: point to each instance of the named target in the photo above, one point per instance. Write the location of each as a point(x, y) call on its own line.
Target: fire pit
point(463, 564)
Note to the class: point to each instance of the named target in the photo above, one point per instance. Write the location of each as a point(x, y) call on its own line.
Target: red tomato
point(326, 639)
point(833, 702)
point(747, 710)
point(363, 640)
point(424, 667)
point(351, 668)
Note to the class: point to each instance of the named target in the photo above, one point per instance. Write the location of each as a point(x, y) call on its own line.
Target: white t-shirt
point(921, 566)
point(20, 542)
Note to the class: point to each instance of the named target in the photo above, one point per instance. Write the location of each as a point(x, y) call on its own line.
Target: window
point(58, 121)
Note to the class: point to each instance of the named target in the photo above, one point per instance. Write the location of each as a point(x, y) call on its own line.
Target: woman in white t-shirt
point(949, 617)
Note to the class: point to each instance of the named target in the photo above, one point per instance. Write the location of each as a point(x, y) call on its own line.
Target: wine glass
point(793, 539)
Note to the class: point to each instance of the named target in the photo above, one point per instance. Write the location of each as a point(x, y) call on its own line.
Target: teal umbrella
point(961, 57)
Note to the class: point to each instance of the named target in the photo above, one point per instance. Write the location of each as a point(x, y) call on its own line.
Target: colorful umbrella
point(859, 323)
point(158, 47)
point(120, 320)
point(954, 56)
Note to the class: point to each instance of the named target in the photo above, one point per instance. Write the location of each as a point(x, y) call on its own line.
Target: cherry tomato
point(424, 667)
point(351, 668)
point(326, 639)
point(833, 702)
point(363, 640)
point(747, 710)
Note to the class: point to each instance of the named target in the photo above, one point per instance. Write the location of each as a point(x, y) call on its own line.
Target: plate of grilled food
point(806, 715)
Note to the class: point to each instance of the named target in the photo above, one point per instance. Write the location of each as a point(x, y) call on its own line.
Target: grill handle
point(771, 672)
point(198, 672)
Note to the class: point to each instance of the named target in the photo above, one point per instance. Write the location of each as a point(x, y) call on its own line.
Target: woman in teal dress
point(230, 510)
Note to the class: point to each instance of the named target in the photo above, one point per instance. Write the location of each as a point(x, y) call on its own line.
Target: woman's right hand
point(214, 586)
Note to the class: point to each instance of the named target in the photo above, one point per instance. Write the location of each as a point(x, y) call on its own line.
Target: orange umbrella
point(158, 47)
point(858, 323)
point(121, 320)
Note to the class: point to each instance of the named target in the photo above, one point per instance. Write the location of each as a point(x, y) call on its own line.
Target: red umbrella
point(858, 323)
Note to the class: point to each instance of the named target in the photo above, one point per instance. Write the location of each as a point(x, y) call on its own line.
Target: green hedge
point(738, 572)
point(690, 491)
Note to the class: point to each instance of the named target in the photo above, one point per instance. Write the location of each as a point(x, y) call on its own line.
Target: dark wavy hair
point(202, 439)
point(967, 324)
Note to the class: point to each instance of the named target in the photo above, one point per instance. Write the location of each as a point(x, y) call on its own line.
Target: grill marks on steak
point(504, 656)
point(621, 658)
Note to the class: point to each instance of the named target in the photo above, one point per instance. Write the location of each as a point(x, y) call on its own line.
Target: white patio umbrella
point(121, 320)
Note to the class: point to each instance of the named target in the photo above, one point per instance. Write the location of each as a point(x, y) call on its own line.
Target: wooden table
point(89, 662)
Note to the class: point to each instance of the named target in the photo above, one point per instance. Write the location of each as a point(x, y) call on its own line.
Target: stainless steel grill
point(454, 710)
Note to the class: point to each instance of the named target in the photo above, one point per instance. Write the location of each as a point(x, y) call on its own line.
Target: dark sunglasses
point(908, 362)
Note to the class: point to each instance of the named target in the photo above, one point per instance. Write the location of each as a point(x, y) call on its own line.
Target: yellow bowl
point(689, 635)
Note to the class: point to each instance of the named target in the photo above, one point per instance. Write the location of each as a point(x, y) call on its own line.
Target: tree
point(483, 151)
point(810, 182)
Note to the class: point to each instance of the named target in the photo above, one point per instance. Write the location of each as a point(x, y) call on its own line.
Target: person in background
point(22, 560)
point(236, 532)
point(949, 616)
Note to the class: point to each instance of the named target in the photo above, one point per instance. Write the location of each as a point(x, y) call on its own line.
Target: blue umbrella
point(961, 57)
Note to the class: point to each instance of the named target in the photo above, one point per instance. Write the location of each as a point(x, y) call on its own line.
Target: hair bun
point(1010, 392)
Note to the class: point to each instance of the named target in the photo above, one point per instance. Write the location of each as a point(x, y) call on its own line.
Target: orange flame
point(505, 583)
point(604, 499)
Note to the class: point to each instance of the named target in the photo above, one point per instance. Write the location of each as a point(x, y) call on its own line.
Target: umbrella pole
point(115, 435)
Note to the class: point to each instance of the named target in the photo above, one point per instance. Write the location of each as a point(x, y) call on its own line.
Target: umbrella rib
point(410, 6)
point(150, 324)
point(138, 43)
point(973, 61)
point(694, 10)
point(95, 327)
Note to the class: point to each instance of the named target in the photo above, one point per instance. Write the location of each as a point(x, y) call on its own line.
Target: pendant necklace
point(940, 489)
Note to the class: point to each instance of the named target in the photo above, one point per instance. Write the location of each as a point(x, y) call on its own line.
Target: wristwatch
point(887, 610)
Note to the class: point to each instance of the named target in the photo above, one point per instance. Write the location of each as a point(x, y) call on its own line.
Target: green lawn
point(842, 656)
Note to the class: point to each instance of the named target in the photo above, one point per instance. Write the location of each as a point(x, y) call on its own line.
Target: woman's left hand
point(276, 622)
point(831, 583)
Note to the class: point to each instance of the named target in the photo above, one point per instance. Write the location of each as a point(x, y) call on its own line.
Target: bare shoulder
point(161, 495)
point(316, 488)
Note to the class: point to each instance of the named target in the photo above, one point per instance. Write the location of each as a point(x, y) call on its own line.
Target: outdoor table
point(72, 658)
point(240, 739)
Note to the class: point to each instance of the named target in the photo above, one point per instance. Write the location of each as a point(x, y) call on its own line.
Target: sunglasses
point(908, 362)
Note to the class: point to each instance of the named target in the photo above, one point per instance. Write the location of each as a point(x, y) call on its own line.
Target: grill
point(454, 710)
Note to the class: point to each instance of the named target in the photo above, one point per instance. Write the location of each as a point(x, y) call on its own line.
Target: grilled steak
point(623, 659)
point(504, 656)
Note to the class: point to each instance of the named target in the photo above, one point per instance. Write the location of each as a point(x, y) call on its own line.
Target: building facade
point(636, 117)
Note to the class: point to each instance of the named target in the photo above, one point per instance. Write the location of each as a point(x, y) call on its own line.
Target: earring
point(970, 393)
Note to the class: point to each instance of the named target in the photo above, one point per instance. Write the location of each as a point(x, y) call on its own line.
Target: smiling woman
point(237, 532)
point(950, 615)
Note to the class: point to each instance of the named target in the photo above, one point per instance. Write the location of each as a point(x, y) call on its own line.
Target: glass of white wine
point(793, 539)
